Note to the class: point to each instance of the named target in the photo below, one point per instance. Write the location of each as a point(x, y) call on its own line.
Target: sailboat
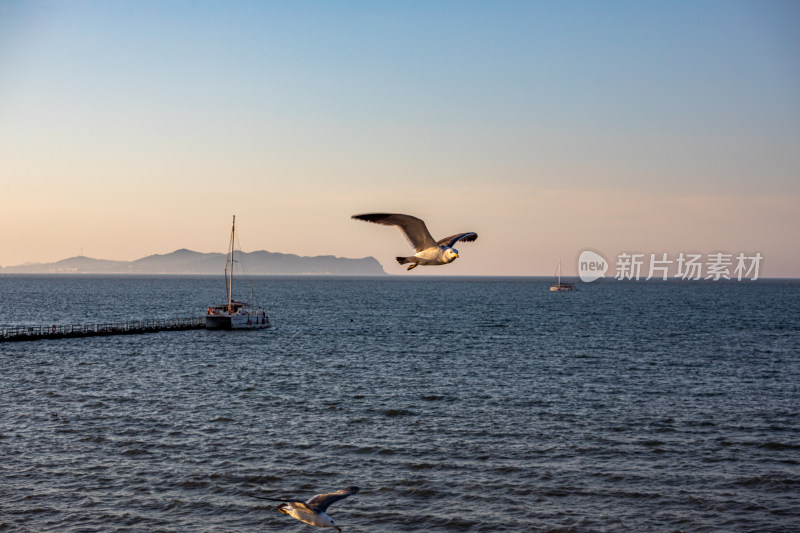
point(233, 314)
point(558, 286)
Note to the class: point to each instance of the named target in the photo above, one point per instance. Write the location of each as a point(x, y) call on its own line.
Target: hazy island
point(188, 262)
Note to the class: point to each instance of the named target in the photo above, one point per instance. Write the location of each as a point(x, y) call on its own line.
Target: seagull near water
point(312, 512)
point(428, 251)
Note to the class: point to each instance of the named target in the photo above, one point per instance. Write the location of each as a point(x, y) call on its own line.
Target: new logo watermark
point(687, 266)
point(591, 266)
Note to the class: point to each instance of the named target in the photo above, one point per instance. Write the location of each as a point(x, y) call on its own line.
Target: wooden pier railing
point(130, 327)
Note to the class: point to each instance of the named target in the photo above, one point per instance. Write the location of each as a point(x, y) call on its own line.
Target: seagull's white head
point(450, 255)
point(326, 521)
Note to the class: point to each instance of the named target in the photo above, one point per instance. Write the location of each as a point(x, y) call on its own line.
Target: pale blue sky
point(130, 128)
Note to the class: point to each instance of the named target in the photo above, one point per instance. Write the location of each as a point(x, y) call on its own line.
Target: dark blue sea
point(455, 404)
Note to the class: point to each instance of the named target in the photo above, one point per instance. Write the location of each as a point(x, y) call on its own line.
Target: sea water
point(455, 404)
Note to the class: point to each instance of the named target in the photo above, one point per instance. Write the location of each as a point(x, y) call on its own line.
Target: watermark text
point(686, 266)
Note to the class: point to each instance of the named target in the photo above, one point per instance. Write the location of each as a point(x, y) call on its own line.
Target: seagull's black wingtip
point(372, 217)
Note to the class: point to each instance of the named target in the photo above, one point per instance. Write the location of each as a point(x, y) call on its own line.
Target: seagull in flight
point(428, 251)
point(313, 512)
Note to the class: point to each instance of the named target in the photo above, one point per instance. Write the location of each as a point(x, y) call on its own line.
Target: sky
point(135, 128)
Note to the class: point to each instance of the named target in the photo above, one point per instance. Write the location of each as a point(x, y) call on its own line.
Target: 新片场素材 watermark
point(687, 266)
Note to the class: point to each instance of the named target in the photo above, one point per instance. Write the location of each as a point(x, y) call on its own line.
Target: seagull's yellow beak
point(456, 256)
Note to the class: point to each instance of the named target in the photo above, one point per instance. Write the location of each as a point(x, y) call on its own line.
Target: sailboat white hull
point(562, 287)
point(226, 321)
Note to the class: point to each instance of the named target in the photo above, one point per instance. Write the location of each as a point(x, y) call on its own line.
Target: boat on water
point(558, 286)
point(234, 314)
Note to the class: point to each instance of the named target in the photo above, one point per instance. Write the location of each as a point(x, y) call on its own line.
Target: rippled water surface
point(455, 404)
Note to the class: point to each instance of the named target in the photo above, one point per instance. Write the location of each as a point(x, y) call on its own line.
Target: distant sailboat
point(558, 286)
point(233, 314)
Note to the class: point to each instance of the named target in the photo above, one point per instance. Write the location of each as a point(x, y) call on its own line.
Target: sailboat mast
point(559, 271)
point(230, 258)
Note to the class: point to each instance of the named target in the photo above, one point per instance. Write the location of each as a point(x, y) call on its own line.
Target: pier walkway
point(131, 327)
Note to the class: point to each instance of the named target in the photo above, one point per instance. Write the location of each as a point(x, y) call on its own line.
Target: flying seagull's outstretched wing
point(412, 227)
point(318, 503)
point(321, 502)
point(452, 239)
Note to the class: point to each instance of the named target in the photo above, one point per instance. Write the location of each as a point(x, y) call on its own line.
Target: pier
point(130, 327)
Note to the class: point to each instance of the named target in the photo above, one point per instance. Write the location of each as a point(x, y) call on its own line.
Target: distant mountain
point(188, 262)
